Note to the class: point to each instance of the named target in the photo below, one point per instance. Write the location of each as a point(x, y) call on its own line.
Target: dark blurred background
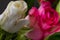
point(3, 4)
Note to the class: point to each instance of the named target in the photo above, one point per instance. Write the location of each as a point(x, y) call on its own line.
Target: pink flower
point(33, 13)
point(33, 16)
point(43, 21)
point(49, 15)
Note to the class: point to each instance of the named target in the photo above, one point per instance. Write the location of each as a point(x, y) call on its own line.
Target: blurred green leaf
point(55, 36)
point(15, 36)
point(30, 3)
point(54, 4)
point(58, 7)
point(21, 34)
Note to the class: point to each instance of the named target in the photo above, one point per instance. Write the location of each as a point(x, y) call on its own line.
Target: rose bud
point(49, 16)
point(12, 19)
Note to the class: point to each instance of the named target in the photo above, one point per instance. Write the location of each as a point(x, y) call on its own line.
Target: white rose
point(12, 19)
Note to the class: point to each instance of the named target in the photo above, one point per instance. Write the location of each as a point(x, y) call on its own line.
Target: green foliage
point(55, 36)
point(58, 7)
point(54, 4)
point(30, 3)
point(5, 35)
point(14, 36)
point(21, 34)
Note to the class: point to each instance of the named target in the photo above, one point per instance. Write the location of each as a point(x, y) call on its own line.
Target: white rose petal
point(10, 19)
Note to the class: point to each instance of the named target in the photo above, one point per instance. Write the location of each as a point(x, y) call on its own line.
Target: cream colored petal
point(15, 11)
point(17, 26)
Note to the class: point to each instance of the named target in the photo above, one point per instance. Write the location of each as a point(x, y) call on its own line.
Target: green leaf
point(55, 36)
point(2, 33)
point(58, 7)
point(5, 35)
point(15, 36)
point(21, 34)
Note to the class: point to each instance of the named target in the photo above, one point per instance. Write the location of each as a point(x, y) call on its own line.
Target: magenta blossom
point(49, 15)
point(43, 21)
point(36, 33)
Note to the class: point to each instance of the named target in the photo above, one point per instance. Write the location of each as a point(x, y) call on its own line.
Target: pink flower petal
point(35, 34)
